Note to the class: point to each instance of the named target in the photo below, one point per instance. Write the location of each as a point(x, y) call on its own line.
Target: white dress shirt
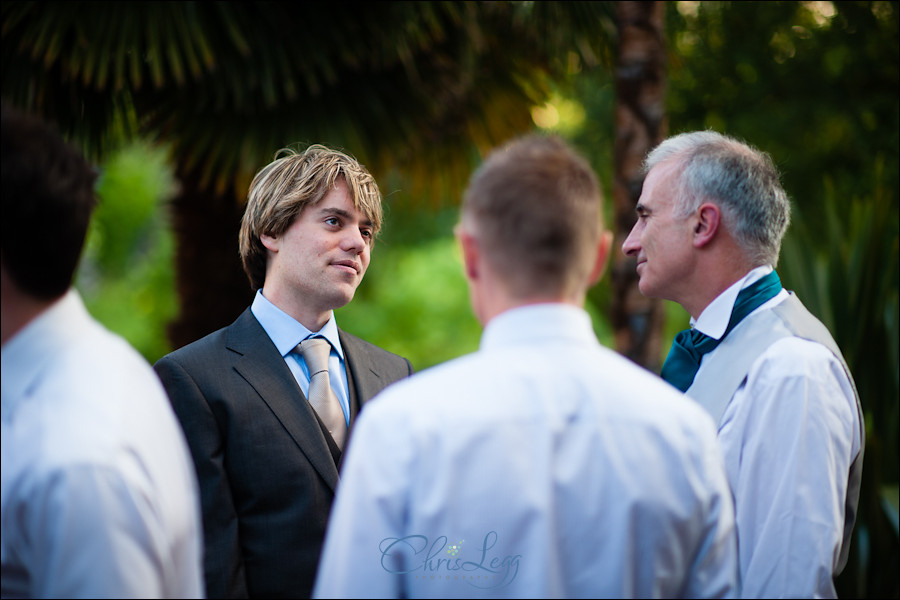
point(789, 436)
point(542, 465)
point(99, 493)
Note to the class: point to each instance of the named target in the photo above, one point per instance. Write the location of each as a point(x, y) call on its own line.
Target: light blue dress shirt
point(541, 466)
point(286, 332)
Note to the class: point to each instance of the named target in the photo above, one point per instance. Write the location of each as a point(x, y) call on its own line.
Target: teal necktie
point(690, 345)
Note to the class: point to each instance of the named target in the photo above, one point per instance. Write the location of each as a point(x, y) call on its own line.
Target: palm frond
point(407, 85)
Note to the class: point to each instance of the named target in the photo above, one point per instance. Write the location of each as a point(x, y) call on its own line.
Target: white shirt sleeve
point(789, 437)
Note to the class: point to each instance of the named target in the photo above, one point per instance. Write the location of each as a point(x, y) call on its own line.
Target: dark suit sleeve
point(224, 568)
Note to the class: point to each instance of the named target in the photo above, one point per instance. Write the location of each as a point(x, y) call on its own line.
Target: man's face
point(661, 241)
point(317, 263)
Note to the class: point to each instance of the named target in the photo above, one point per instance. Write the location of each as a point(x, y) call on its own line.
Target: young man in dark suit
point(267, 459)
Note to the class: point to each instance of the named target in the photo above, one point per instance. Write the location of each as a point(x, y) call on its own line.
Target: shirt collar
point(714, 319)
point(536, 322)
point(285, 331)
point(26, 355)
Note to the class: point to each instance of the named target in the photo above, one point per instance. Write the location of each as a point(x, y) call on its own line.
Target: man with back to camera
point(267, 459)
point(711, 217)
point(99, 494)
point(543, 465)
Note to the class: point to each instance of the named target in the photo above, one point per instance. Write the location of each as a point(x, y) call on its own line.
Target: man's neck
point(18, 310)
point(308, 316)
point(713, 278)
point(503, 302)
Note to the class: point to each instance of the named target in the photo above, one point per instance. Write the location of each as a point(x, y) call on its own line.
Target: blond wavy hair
point(281, 190)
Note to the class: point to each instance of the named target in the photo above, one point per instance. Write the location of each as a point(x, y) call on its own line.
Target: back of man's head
point(535, 208)
point(48, 197)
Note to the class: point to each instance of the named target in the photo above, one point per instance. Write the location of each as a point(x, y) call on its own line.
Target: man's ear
point(269, 241)
point(470, 253)
point(602, 256)
point(706, 226)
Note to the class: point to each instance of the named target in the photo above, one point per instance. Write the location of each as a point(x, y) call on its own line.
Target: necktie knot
point(690, 345)
point(315, 351)
point(697, 342)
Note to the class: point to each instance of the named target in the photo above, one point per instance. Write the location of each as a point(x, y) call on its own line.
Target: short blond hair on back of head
point(535, 206)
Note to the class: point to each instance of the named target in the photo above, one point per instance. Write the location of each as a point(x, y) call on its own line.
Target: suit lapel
point(263, 367)
point(364, 381)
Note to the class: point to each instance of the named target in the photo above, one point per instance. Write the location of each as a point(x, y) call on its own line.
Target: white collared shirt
point(789, 436)
point(286, 332)
point(713, 321)
point(542, 465)
point(99, 492)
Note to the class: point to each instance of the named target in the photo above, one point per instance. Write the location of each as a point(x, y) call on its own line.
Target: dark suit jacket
point(267, 470)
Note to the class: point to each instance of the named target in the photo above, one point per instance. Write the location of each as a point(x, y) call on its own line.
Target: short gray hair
point(740, 179)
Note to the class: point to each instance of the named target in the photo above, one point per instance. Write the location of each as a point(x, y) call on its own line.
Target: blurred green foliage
point(812, 83)
point(126, 275)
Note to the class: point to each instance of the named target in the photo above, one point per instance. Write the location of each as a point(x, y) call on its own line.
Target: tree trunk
point(210, 282)
point(640, 125)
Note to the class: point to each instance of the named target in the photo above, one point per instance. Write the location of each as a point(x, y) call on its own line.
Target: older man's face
point(660, 240)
